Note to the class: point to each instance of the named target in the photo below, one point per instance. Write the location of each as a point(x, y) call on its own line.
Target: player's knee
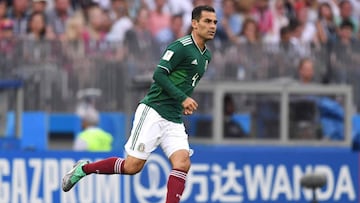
point(132, 169)
point(181, 163)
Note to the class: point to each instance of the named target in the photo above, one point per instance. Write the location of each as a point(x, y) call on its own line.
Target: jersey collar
point(202, 52)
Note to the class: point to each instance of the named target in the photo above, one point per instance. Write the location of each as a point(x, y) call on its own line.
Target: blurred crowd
point(250, 21)
point(61, 46)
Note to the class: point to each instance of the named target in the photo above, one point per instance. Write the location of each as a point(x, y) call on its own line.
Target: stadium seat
point(34, 130)
point(64, 123)
point(192, 123)
point(10, 125)
point(356, 132)
point(244, 120)
point(200, 124)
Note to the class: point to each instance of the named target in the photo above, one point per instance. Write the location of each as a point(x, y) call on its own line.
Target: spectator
point(299, 47)
point(6, 29)
point(122, 22)
point(203, 2)
point(74, 28)
point(73, 44)
point(7, 46)
point(308, 33)
point(5, 22)
point(36, 29)
point(158, 19)
point(346, 14)
point(284, 63)
point(285, 35)
point(305, 72)
point(39, 6)
point(58, 16)
point(3, 10)
point(242, 61)
point(94, 27)
point(118, 9)
point(103, 4)
point(280, 20)
point(261, 13)
point(107, 22)
point(174, 7)
point(325, 25)
point(345, 55)
point(345, 59)
point(231, 127)
point(303, 111)
point(356, 7)
point(290, 9)
point(173, 32)
point(345, 33)
point(19, 14)
point(184, 9)
point(334, 6)
point(310, 5)
point(35, 48)
point(92, 138)
point(250, 32)
point(139, 42)
point(230, 21)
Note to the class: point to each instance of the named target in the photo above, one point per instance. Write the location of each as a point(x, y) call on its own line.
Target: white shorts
point(150, 129)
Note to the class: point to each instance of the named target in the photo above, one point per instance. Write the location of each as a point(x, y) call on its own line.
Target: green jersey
point(184, 63)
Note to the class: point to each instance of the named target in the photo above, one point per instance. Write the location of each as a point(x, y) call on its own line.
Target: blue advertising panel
point(218, 174)
point(35, 177)
point(251, 174)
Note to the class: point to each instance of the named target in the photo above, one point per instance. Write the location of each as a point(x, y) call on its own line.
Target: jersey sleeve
point(172, 57)
point(161, 77)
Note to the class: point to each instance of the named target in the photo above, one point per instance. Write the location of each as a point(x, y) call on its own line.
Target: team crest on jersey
point(206, 64)
point(168, 54)
point(141, 147)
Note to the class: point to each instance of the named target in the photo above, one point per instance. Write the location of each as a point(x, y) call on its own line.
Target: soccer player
point(158, 117)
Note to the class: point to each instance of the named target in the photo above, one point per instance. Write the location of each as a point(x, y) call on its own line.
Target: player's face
point(206, 26)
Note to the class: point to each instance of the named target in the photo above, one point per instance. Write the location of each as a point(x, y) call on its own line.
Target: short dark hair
point(285, 30)
point(196, 13)
point(347, 24)
point(343, 2)
point(294, 24)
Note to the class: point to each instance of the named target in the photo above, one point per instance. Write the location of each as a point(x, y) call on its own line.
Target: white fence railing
point(218, 90)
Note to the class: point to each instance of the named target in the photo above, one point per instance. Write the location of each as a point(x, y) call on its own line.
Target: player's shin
point(112, 165)
point(175, 186)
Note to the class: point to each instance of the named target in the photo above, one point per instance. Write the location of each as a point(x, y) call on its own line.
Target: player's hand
point(187, 112)
point(189, 105)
